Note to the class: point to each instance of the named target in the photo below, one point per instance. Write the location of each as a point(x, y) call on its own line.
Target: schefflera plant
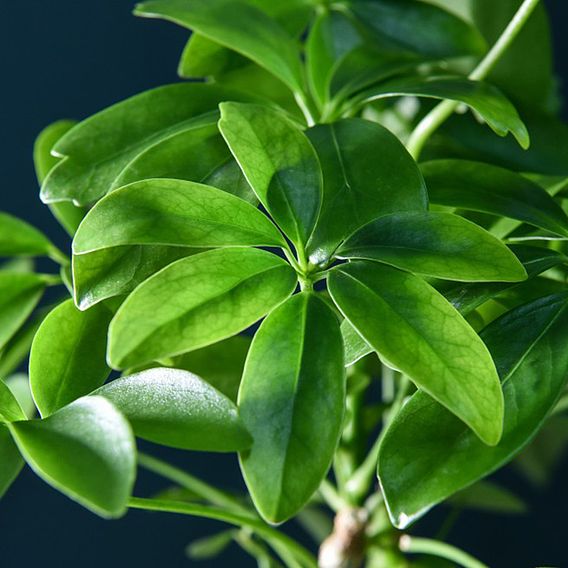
point(272, 191)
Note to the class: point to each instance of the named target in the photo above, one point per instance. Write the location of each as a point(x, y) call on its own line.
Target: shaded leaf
point(292, 400)
point(18, 238)
point(11, 462)
point(10, 409)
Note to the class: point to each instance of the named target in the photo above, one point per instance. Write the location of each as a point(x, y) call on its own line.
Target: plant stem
point(56, 255)
point(441, 112)
point(188, 481)
point(439, 549)
point(331, 496)
point(304, 107)
point(259, 527)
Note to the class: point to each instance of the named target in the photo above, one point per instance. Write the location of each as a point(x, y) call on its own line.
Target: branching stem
point(439, 549)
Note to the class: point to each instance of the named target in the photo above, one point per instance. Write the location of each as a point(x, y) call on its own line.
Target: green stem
point(274, 537)
point(331, 496)
point(56, 255)
point(441, 112)
point(193, 484)
point(305, 108)
point(439, 549)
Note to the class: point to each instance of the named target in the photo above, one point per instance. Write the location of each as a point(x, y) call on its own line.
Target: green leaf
point(10, 409)
point(355, 346)
point(92, 162)
point(197, 301)
point(360, 182)
point(196, 154)
point(202, 57)
point(19, 385)
point(417, 26)
point(18, 347)
point(415, 330)
point(112, 272)
point(292, 400)
point(279, 163)
point(476, 186)
point(525, 70)
point(220, 364)
point(176, 213)
point(179, 409)
point(436, 452)
point(238, 26)
point(210, 546)
point(484, 99)
point(67, 359)
point(435, 244)
point(18, 238)
point(489, 497)
point(86, 450)
point(11, 462)
point(19, 295)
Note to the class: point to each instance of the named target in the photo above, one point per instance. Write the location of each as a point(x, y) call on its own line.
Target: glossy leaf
point(196, 154)
point(19, 385)
point(355, 346)
point(18, 238)
point(476, 186)
point(107, 273)
point(44, 161)
point(220, 364)
point(415, 330)
point(417, 26)
point(86, 451)
point(291, 400)
point(92, 162)
point(67, 359)
point(484, 99)
point(179, 409)
point(279, 163)
point(360, 182)
point(197, 301)
point(10, 410)
point(424, 437)
point(19, 295)
point(11, 462)
point(176, 213)
point(238, 26)
point(441, 245)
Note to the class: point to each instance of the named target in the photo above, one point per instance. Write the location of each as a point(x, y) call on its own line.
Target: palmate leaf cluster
point(277, 188)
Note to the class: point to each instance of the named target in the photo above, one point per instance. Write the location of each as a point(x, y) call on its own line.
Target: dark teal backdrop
point(69, 59)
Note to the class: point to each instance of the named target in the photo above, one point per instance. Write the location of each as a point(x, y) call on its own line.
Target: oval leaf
point(291, 400)
point(179, 409)
point(279, 163)
point(437, 454)
point(238, 26)
point(67, 360)
point(173, 212)
point(360, 183)
point(10, 409)
point(86, 450)
point(418, 332)
point(435, 244)
point(477, 186)
point(484, 99)
point(197, 301)
point(11, 461)
point(18, 238)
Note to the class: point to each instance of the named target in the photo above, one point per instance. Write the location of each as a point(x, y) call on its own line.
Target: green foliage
point(311, 184)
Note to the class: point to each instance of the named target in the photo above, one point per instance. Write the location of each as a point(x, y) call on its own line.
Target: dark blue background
point(69, 59)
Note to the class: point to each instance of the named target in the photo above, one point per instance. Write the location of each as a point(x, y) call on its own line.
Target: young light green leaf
point(279, 163)
point(67, 360)
point(484, 99)
point(10, 409)
point(360, 183)
point(220, 364)
point(19, 385)
point(116, 271)
point(179, 409)
point(197, 301)
point(417, 26)
point(238, 26)
point(176, 213)
point(441, 245)
point(211, 546)
point(354, 345)
point(19, 295)
point(86, 450)
point(477, 186)
point(44, 161)
point(11, 462)
point(415, 330)
point(438, 455)
point(18, 238)
point(92, 162)
point(291, 400)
